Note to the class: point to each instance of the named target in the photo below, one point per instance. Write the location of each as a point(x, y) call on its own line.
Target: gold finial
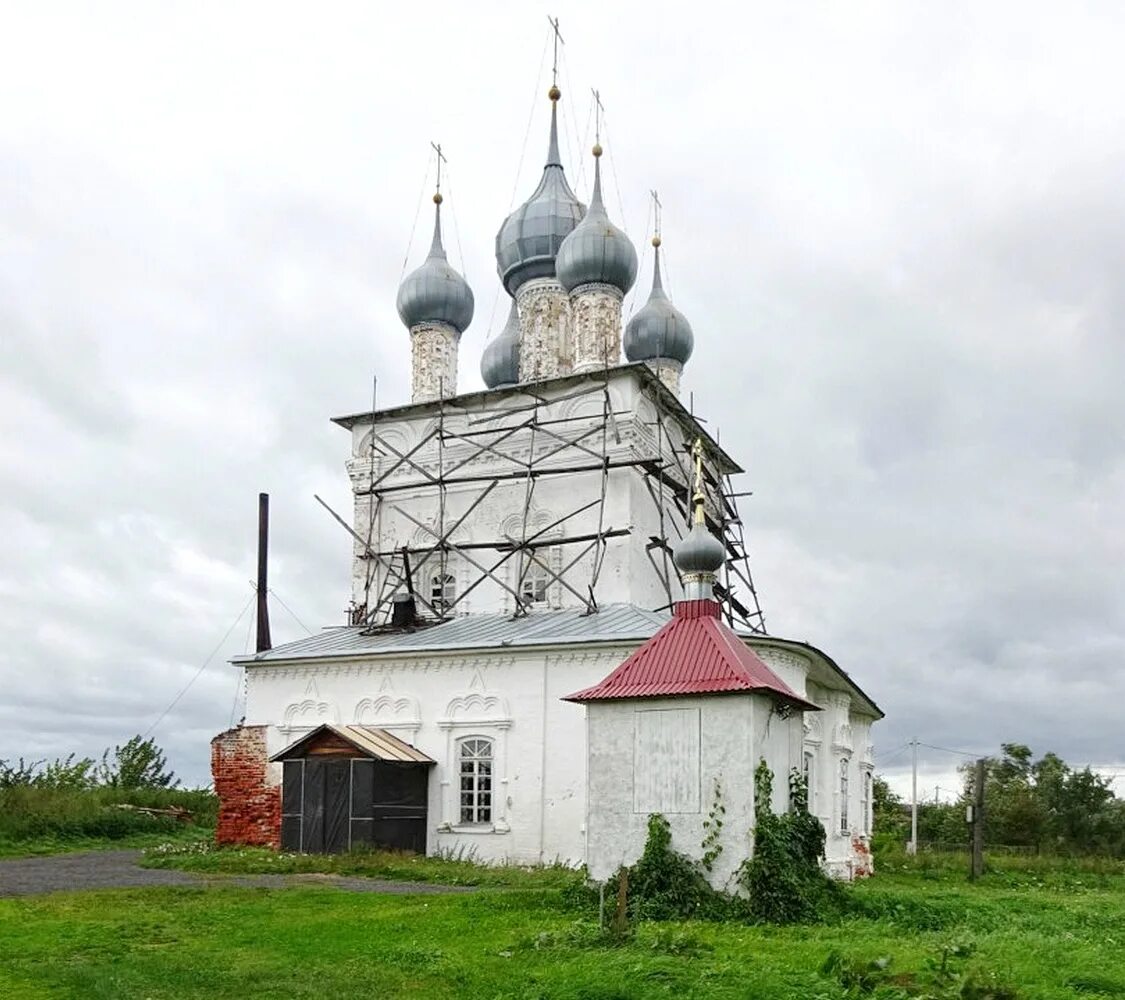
point(554, 93)
point(597, 149)
point(437, 198)
point(656, 241)
point(698, 498)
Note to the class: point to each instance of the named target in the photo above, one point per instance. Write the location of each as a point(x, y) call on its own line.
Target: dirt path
point(120, 870)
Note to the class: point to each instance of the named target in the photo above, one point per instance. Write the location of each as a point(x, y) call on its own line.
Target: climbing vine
point(783, 879)
point(713, 830)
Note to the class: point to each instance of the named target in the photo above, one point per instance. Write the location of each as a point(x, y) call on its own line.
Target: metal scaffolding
point(527, 445)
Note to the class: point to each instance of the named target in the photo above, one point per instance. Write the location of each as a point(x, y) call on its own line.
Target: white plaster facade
point(511, 696)
point(412, 443)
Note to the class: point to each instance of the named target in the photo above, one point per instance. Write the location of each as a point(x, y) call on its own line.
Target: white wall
point(432, 701)
point(618, 818)
point(514, 698)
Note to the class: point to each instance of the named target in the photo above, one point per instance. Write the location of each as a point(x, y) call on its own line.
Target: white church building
point(512, 548)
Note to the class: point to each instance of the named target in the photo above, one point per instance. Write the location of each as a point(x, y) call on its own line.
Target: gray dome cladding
point(597, 252)
point(435, 292)
point(500, 362)
point(530, 237)
point(699, 552)
point(659, 329)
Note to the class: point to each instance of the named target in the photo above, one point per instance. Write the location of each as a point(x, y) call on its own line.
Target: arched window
point(533, 587)
point(844, 764)
point(808, 772)
point(443, 591)
point(475, 758)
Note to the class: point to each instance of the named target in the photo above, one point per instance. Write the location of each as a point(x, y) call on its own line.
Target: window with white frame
point(868, 782)
point(475, 761)
point(808, 772)
point(443, 591)
point(536, 580)
point(844, 765)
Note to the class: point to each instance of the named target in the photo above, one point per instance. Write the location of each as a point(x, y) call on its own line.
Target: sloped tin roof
point(367, 740)
point(611, 623)
point(695, 653)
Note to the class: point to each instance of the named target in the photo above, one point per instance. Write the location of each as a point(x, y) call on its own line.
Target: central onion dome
point(659, 329)
point(435, 292)
point(597, 251)
point(530, 237)
point(500, 362)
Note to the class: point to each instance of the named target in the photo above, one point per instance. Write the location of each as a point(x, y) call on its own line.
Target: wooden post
point(977, 869)
point(621, 916)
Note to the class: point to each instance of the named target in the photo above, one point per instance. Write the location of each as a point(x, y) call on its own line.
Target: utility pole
point(912, 847)
point(977, 869)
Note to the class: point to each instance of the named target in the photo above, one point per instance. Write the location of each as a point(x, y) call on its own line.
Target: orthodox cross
point(440, 160)
point(554, 23)
point(599, 110)
point(698, 498)
point(656, 209)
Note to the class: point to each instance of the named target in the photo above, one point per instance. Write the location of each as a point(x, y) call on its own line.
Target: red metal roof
point(695, 653)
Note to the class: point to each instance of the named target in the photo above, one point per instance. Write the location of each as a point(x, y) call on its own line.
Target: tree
point(140, 763)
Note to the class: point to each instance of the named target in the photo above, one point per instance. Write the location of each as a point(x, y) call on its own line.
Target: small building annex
point(512, 548)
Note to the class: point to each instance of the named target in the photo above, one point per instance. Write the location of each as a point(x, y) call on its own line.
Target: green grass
point(390, 865)
point(1058, 941)
point(45, 844)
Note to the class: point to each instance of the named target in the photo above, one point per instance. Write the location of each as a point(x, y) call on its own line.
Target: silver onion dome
point(596, 251)
point(699, 553)
point(659, 329)
point(530, 237)
point(500, 363)
point(435, 292)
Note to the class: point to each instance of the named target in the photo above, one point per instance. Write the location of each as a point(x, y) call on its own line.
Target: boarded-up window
point(666, 761)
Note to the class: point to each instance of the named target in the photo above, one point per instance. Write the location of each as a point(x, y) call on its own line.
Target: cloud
point(896, 230)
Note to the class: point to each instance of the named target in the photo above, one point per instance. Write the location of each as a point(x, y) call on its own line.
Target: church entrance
point(347, 786)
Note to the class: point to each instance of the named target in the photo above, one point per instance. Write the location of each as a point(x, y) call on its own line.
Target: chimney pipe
point(263, 558)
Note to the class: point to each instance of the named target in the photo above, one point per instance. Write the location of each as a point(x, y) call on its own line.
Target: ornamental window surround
point(808, 772)
point(844, 765)
point(475, 760)
point(868, 784)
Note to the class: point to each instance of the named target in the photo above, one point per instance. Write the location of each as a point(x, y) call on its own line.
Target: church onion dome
point(500, 363)
point(659, 329)
point(700, 553)
point(435, 292)
point(597, 251)
point(530, 237)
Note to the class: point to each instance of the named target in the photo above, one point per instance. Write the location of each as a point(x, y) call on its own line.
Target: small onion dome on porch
point(695, 653)
point(530, 237)
point(435, 292)
point(659, 329)
point(597, 252)
point(500, 362)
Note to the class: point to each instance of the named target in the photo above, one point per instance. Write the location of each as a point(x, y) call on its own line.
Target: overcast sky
point(898, 231)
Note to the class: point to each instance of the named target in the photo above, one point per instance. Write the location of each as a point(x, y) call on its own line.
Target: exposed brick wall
point(249, 805)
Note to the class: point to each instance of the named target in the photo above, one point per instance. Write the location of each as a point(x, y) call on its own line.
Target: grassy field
point(1049, 935)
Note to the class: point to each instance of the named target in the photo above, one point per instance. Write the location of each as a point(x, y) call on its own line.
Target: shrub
point(783, 880)
point(666, 885)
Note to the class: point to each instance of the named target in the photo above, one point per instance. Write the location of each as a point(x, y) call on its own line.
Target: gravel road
point(120, 870)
